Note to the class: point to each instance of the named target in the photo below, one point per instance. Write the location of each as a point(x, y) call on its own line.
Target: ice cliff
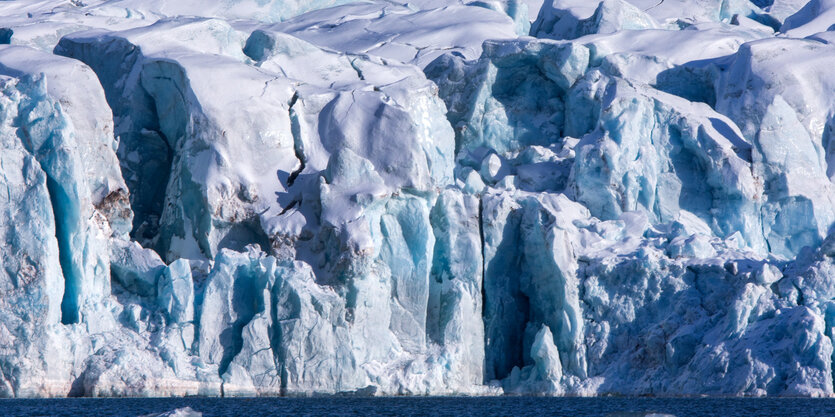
point(274, 197)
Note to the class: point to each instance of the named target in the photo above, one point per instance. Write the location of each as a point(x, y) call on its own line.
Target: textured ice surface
point(415, 33)
point(553, 197)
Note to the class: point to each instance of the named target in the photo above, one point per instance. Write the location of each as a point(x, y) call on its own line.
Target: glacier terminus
point(417, 197)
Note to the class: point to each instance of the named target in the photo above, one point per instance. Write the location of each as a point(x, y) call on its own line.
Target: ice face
point(556, 21)
point(785, 109)
point(696, 143)
point(512, 97)
point(247, 199)
point(75, 150)
point(806, 18)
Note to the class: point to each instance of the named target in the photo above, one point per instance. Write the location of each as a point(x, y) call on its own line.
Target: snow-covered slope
point(434, 197)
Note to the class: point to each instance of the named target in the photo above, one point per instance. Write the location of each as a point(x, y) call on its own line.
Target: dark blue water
point(401, 406)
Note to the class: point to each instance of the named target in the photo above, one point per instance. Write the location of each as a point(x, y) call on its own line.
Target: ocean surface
point(403, 406)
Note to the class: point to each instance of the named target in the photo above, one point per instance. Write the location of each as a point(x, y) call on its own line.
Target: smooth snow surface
point(433, 197)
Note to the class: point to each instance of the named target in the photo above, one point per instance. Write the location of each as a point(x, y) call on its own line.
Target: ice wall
point(381, 199)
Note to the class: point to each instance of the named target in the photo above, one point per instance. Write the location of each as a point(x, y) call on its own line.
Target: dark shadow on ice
point(741, 147)
point(506, 309)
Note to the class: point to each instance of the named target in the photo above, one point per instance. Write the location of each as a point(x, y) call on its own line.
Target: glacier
point(439, 197)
